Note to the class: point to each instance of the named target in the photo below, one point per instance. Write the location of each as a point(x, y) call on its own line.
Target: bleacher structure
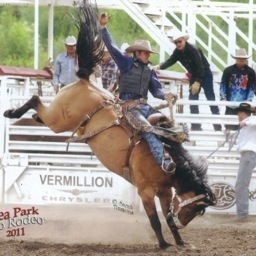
point(214, 26)
point(218, 27)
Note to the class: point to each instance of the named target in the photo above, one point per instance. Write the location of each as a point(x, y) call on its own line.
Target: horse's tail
point(90, 46)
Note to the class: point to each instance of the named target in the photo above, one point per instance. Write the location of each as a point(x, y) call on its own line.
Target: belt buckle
point(143, 101)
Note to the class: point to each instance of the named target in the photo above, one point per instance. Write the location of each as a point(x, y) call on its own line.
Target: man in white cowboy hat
point(200, 75)
point(137, 77)
point(246, 146)
point(237, 83)
point(65, 65)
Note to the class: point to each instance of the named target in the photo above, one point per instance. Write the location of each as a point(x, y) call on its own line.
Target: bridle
point(182, 203)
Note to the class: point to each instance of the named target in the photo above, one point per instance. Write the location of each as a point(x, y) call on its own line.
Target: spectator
point(66, 65)
point(246, 145)
point(237, 83)
point(200, 75)
point(109, 70)
point(137, 78)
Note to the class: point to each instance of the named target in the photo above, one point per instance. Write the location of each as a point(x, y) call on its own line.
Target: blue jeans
point(207, 85)
point(244, 175)
point(155, 144)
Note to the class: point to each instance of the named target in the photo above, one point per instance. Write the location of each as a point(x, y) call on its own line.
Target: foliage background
point(17, 33)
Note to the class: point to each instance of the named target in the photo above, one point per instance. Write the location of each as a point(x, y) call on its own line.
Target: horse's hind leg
point(19, 112)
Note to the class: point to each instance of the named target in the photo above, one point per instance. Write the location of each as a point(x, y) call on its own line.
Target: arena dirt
point(77, 231)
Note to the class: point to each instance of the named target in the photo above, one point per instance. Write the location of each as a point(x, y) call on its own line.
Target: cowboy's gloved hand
point(195, 88)
point(104, 18)
point(170, 97)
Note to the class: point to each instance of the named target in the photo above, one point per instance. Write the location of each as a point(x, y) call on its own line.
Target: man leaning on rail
point(200, 75)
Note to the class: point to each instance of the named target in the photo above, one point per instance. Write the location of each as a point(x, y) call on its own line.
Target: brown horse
point(82, 103)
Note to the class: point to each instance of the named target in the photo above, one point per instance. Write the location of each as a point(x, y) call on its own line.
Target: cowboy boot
point(168, 165)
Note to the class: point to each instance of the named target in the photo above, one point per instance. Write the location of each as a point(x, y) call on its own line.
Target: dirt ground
point(77, 231)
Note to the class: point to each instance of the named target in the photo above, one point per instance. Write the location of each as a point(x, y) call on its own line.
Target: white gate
point(36, 170)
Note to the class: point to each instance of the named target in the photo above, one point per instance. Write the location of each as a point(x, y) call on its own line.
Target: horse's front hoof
point(168, 247)
point(8, 113)
point(186, 247)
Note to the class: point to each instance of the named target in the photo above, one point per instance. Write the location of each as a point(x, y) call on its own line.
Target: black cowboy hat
point(245, 107)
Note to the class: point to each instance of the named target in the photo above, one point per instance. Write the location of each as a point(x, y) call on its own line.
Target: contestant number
point(15, 232)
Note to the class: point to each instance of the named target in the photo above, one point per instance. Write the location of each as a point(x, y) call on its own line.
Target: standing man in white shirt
point(246, 145)
point(65, 65)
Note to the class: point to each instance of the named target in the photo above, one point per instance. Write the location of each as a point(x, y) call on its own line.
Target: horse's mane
point(90, 46)
point(190, 171)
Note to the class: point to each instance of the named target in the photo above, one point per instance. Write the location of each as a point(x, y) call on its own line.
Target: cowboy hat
point(70, 40)
point(180, 35)
point(240, 53)
point(244, 107)
point(141, 45)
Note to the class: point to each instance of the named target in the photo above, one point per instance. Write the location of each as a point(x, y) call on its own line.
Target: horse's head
point(185, 207)
point(193, 194)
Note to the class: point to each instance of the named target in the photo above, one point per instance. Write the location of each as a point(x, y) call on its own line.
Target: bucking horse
point(97, 118)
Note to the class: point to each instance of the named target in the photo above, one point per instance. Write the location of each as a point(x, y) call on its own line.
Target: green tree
point(16, 40)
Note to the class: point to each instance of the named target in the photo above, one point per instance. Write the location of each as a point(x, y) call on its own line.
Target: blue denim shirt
point(64, 70)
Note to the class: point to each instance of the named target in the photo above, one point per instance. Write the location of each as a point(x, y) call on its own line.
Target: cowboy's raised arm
point(120, 59)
